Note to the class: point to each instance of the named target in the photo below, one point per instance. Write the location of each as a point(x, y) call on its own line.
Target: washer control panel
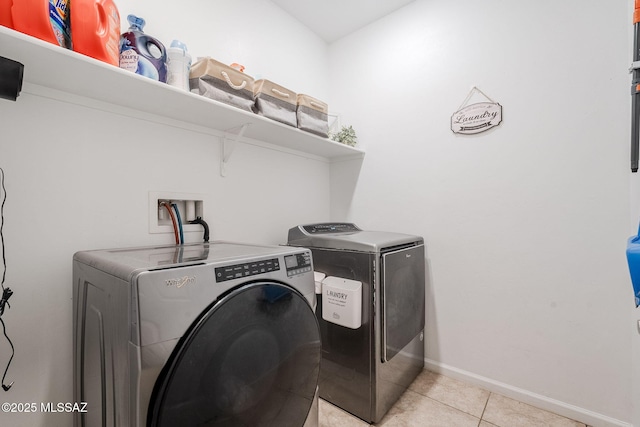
point(237, 271)
point(297, 263)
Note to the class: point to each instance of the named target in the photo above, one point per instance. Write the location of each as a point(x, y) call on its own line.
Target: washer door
point(252, 359)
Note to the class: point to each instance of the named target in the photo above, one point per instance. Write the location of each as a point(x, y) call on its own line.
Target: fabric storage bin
point(218, 81)
point(275, 102)
point(312, 115)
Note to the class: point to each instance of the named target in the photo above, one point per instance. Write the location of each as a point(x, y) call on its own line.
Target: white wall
point(79, 178)
point(525, 225)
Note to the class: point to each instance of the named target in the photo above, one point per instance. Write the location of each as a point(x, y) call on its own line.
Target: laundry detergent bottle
point(5, 13)
point(96, 29)
point(178, 65)
point(141, 53)
point(47, 20)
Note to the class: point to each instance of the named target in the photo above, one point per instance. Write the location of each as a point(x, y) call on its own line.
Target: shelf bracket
point(229, 141)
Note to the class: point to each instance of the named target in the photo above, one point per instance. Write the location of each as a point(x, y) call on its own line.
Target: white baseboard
point(557, 407)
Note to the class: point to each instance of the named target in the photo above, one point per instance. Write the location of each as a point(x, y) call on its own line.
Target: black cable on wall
point(6, 292)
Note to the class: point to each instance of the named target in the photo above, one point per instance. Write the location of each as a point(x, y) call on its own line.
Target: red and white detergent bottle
point(47, 20)
point(95, 29)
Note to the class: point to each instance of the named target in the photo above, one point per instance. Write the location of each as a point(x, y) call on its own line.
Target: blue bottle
point(141, 53)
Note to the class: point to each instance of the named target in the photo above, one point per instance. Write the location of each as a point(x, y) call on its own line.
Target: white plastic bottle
point(178, 65)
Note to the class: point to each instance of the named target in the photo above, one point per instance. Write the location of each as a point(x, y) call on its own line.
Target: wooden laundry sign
point(476, 118)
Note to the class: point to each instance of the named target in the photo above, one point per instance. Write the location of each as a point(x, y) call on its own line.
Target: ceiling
point(333, 19)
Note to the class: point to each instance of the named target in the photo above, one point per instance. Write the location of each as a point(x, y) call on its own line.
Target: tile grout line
point(451, 406)
point(484, 409)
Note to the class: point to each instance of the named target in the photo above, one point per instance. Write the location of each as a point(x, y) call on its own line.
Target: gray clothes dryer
point(365, 370)
point(215, 334)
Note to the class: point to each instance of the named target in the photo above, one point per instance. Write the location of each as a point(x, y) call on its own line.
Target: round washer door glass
point(252, 359)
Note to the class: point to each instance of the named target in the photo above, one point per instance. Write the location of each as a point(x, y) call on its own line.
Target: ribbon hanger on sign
point(474, 90)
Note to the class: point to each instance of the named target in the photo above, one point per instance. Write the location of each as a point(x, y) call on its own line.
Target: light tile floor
point(434, 400)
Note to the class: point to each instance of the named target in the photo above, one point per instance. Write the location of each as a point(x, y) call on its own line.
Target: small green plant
point(346, 136)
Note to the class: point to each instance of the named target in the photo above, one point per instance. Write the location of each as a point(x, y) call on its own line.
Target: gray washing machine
point(215, 334)
point(364, 370)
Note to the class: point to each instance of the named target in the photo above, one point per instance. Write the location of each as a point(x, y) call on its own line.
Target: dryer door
point(252, 359)
point(403, 291)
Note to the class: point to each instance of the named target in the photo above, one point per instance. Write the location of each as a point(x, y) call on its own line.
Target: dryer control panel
point(237, 271)
point(330, 227)
point(297, 263)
